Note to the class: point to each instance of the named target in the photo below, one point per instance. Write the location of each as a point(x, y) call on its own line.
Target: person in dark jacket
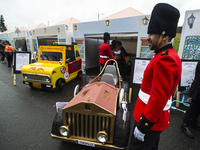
point(192, 113)
point(119, 56)
point(123, 50)
point(9, 53)
point(2, 47)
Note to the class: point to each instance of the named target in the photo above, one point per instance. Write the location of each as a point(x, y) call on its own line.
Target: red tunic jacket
point(105, 53)
point(159, 82)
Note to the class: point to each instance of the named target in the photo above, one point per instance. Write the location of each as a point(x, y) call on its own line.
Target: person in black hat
point(191, 116)
point(105, 51)
point(152, 109)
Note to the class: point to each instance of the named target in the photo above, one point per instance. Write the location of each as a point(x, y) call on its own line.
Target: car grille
point(36, 77)
point(86, 126)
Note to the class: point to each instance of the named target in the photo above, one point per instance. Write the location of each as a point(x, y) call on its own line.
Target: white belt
point(104, 56)
point(145, 98)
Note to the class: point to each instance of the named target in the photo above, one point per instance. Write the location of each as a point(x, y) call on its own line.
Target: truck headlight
point(64, 131)
point(25, 76)
point(102, 136)
point(47, 79)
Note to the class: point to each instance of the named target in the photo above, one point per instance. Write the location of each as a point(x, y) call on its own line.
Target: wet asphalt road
point(26, 117)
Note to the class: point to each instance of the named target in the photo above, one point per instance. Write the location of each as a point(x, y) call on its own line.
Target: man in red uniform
point(105, 51)
point(161, 76)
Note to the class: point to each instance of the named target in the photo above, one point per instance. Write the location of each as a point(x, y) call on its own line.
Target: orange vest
point(9, 49)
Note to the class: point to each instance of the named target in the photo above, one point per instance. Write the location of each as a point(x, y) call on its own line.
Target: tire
point(79, 75)
point(125, 86)
point(57, 123)
point(120, 98)
point(60, 84)
point(122, 131)
point(76, 90)
point(30, 84)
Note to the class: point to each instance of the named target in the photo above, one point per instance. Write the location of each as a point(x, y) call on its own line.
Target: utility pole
point(99, 15)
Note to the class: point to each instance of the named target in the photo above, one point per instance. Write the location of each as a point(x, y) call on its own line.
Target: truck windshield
point(51, 56)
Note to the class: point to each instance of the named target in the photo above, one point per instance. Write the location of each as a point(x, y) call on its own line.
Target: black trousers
point(2, 56)
point(9, 59)
point(101, 66)
point(151, 141)
point(192, 113)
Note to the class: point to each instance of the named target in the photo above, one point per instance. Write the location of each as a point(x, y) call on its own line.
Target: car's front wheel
point(60, 84)
point(76, 90)
point(122, 129)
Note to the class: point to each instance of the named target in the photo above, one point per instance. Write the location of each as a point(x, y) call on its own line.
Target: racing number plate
point(85, 143)
point(36, 85)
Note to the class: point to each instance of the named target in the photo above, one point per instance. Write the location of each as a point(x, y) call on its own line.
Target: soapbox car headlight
point(102, 136)
point(64, 131)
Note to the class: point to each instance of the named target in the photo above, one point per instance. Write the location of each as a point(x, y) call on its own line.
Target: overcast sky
point(28, 13)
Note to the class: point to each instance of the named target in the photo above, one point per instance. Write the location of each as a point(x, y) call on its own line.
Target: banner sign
point(21, 59)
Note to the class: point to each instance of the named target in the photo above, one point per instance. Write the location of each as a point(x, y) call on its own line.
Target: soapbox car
point(97, 116)
point(56, 66)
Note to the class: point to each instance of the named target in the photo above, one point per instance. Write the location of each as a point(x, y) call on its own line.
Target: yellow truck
point(55, 66)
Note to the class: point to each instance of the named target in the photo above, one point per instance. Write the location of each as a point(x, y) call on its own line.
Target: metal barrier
point(183, 101)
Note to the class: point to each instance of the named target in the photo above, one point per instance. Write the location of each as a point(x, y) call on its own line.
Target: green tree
point(2, 24)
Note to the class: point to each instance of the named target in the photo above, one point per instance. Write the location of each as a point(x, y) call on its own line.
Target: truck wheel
point(79, 75)
point(60, 84)
point(122, 129)
point(31, 85)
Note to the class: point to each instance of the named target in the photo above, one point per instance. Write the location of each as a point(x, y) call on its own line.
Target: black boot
point(186, 130)
point(195, 126)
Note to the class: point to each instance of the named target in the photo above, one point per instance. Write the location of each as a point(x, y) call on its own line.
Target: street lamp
point(107, 22)
point(191, 21)
point(75, 27)
point(145, 21)
point(17, 31)
point(66, 27)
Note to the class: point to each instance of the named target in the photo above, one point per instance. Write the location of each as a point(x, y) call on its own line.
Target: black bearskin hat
point(164, 20)
point(106, 37)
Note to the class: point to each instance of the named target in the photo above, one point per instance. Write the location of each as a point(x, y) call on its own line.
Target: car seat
point(111, 69)
point(108, 78)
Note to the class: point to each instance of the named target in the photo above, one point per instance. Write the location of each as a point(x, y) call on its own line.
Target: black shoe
point(186, 130)
point(195, 126)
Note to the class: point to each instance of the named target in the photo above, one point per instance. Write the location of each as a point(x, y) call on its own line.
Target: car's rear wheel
point(125, 86)
point(79, 75)
point(120, 98)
